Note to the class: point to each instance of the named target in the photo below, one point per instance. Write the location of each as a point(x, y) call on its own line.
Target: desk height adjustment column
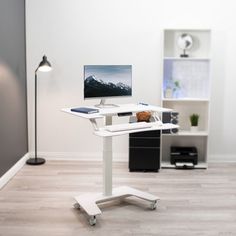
point(107, 161)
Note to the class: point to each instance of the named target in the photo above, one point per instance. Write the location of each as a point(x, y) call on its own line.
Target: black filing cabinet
point(144, 151)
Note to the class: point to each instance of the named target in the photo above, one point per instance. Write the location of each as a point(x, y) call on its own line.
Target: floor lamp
point(44, 66)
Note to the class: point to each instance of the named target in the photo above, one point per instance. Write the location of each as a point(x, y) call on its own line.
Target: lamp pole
point(35, 116)
point(44, 66)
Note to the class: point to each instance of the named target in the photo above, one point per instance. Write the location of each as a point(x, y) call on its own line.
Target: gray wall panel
point(13, 109)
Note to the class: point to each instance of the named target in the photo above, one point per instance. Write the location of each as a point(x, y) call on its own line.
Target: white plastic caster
point(92, 220)
point(77, 206)
point(154, 205)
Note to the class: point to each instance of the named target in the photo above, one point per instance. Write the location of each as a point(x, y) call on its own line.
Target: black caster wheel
point(92, 220)
point(77, 206)
point(153, 205)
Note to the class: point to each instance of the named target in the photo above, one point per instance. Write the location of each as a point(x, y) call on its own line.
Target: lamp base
point(35, 161)
point(184, 55)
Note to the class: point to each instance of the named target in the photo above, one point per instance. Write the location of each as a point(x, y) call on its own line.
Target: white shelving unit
point(186, 90)
point(185, 99)
point(188, 133)
point(187, 59)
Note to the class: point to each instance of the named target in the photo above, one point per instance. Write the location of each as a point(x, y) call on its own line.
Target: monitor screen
point(102, 81)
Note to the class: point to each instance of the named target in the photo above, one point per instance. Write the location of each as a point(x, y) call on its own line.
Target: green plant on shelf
point(176, 88)
point(194, 118)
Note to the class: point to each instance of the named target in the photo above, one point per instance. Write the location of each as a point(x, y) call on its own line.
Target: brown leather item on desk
point(143, 116)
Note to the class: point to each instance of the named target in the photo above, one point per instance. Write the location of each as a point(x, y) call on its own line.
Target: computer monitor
point(106, 81)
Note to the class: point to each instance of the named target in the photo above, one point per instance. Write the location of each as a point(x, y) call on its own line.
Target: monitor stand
point(102, 104)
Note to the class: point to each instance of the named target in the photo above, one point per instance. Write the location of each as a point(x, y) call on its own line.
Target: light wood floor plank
point(39, 201)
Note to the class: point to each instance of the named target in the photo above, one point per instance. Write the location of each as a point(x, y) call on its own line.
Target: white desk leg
point(107, 166)
point(107, 161)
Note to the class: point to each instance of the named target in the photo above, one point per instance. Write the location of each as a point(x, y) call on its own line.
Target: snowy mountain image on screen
point(95, 87)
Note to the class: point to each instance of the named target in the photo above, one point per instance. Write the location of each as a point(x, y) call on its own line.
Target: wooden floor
point(39, 201)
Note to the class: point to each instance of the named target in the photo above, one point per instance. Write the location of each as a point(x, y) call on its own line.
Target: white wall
point(74, 33)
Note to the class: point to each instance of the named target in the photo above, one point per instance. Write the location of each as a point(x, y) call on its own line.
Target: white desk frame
point(89, 202)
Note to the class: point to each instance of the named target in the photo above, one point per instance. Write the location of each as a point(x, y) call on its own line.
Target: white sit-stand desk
point(89, 202)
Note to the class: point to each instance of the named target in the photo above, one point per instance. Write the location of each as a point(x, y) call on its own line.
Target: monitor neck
point(102, 104)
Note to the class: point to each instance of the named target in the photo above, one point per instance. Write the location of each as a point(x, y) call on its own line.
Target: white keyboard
point(128, 126)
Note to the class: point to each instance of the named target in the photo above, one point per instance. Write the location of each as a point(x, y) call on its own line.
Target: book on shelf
point(85, 110)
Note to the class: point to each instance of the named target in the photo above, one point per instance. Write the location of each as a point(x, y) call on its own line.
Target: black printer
point(183, 155)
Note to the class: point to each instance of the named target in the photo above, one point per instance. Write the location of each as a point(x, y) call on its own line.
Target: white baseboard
point(119, 157)
point(14, 169)
point(81, 156)
point(222, 158)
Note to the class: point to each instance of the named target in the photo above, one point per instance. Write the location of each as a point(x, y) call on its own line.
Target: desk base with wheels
point(89, 202)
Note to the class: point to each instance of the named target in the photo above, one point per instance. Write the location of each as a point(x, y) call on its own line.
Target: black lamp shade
point(44, 65)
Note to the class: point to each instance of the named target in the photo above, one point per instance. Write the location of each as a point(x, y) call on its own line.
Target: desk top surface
point(103, 112)
point(114, 110)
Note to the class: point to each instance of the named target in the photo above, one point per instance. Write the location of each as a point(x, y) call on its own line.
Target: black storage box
point(183, 154)
point(170, 117)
